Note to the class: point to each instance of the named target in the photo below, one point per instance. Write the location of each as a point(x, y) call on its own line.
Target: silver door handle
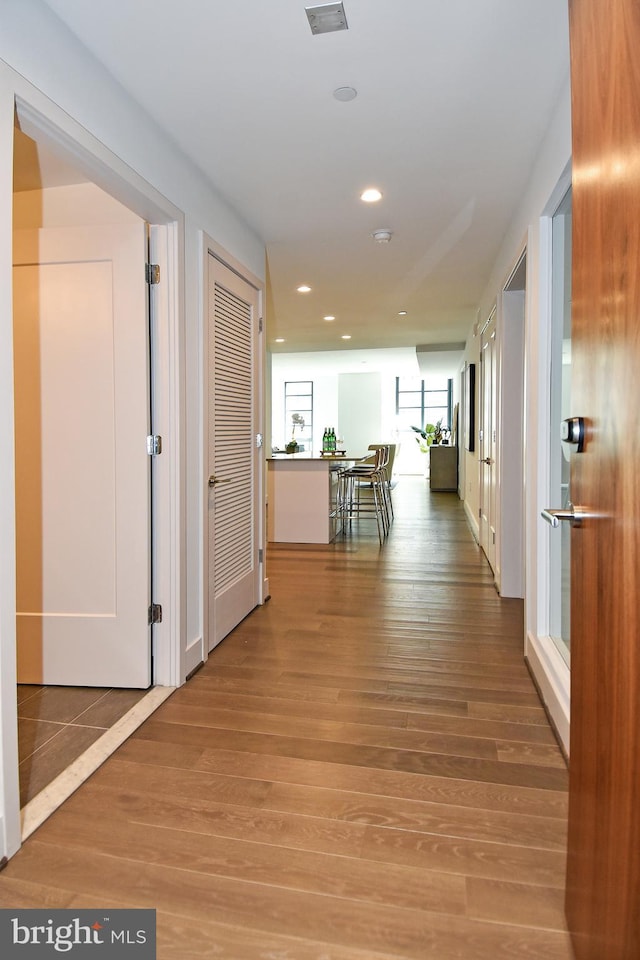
point(571, 513)
point(213, 480)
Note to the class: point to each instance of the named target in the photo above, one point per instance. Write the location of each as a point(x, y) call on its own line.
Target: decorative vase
point(292, 446)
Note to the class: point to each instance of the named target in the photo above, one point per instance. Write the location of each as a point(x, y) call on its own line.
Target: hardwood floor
point(361, 771)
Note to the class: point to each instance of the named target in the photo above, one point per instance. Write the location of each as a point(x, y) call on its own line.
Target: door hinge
point(260, 325)
point(154, 445)
point(155, 613)
point(260, 554)
point(152, 273)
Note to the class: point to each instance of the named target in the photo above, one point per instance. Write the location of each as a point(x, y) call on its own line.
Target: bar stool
point(352, 505)
point(385, 466)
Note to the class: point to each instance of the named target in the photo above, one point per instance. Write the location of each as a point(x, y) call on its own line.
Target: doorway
point(511, 435)
point(62, 379)
point(488, 439)
point(560, 452)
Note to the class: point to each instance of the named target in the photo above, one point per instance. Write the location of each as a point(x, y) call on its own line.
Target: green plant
point(432, 433)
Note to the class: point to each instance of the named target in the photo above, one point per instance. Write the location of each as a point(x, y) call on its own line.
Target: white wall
point(554, 154)
point(45, 67)
point(360, 409)
point(544, 187)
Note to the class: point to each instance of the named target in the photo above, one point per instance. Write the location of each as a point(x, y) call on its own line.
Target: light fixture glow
point(304, 288)
point(279, 340)
point(329, 317)
point(371, 195)
point(346, 336)
point(402, 313)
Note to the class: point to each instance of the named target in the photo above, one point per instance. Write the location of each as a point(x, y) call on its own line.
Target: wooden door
point(603, 880)
point(487, 436)
point(82, 471)
point(234, 461)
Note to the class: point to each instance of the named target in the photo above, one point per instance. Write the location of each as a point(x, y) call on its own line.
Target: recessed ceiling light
point(371, 195)
point(345, 94)
point(304, 289)
point(279, 340)
point(402, 313)
point(346, 336)
point(328, 317)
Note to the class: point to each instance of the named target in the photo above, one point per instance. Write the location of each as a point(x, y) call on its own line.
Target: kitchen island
point(302, 495)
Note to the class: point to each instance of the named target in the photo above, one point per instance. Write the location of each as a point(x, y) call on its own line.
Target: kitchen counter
point(301, 492)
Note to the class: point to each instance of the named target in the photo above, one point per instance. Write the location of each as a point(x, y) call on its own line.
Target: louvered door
point(234, 571)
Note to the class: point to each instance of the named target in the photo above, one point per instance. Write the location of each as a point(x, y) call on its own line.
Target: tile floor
point(57, 724)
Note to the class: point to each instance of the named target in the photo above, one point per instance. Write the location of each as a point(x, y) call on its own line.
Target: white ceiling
point(453, 100)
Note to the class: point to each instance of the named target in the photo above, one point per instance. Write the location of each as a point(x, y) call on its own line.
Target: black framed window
point(420, 401)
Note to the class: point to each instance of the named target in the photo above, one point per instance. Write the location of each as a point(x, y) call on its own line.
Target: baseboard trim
point(473, 522)
point(194, 655)
point(552, 679)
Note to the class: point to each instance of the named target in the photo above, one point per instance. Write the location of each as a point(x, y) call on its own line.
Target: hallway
point(361, 771)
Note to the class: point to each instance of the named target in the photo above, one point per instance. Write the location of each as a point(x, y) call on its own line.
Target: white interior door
point(82, 470)
point(487, 436)
point(233, 461)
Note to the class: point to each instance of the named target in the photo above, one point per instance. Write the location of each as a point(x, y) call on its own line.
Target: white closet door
point(233, 508)
point(82, 471)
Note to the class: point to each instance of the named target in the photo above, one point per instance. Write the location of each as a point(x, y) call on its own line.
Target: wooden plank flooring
point(361, 771)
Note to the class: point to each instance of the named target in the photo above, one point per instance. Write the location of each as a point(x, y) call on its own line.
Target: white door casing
point(487, 438)
point(82, 470)
point(510, 436)
point(234, 458)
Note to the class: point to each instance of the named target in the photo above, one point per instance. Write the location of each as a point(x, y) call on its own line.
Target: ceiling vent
point(326, 18)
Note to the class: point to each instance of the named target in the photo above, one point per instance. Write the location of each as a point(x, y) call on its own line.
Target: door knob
point(574, 515)
point(213, 480)
point(487, 460)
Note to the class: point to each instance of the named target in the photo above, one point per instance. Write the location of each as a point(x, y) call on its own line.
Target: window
point(298, 398)
point(419, 402)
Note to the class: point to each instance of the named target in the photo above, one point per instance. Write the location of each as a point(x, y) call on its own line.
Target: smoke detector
point(382, 236)
point(326, 18)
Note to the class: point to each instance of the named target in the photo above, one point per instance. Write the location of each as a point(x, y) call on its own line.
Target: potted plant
point(433, 433)
point(297, 420)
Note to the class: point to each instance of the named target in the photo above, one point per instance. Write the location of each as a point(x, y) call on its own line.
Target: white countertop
point(327, 458)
